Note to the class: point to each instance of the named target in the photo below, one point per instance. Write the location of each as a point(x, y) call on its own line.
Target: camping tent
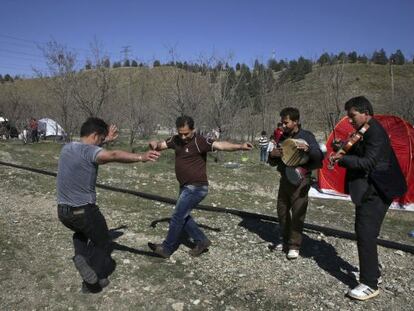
point(49, 127)
point(401, 134)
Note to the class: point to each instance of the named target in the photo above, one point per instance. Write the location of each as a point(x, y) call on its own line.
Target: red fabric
point(277, 134)
point(401, 134)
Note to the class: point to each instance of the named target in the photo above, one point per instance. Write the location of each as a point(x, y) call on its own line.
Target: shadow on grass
point(116, 233)
point(324, 254)
point(167, 219)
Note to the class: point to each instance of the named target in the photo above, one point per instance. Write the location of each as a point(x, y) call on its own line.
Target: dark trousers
point(292, 204)
point(369, 216)
point(91, 236)
point(35, 136)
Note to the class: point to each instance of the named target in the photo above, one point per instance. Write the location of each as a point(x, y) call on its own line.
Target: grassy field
point(239, 272)
point(252, 187)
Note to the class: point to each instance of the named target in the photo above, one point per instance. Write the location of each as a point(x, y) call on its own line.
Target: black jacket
point(372, 161)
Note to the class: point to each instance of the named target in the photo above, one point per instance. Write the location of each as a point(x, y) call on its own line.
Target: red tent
point(401, 134)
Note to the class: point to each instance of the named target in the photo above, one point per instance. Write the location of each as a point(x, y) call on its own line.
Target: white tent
point(50, 128)
point(3, 119)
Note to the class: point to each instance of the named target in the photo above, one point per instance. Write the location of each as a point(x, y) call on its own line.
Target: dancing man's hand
point(246, 146)
point(112, 134)
point(151, 155)
point(153, 145)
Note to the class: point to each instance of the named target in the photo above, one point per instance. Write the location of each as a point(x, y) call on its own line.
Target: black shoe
point(103, 282)
point(85, 271)
point(200, 248)
point(90, 288)
point(158, 249)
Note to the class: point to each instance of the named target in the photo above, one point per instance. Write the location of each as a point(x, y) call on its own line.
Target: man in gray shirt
point(76, 198)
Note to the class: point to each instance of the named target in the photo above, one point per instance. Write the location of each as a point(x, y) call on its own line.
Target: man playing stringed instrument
point(292, 200)
point(373, 179)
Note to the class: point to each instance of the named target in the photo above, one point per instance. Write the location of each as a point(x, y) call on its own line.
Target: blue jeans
point(263, 154)
point(181, 219)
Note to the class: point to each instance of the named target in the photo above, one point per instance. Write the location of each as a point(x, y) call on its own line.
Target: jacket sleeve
point(315, 153)
point(374, 146)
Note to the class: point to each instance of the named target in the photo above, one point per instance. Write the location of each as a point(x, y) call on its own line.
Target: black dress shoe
point(201, 247)
point(159, 250)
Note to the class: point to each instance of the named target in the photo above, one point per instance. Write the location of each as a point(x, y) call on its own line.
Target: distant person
point(373, 179)
point(263, 143)
point(272, 144)
point(76, 198)
point(191, 172)
point(34, 126)
point(292, 200)
point(25, 135)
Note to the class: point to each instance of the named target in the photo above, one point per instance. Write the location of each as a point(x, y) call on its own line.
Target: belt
point(75, 210)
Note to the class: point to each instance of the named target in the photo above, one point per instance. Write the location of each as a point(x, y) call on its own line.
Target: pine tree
point(352, 57)
point(8, 78)
point(274, 65)
point(127, 63)
point(342, 57)
point(379, 57)
point(238, 67)
point(134, 63)
point(116, 65)
point(88, 65)
point(324, 59)
point(397, 58)
point(156, 63)
point(363, 59)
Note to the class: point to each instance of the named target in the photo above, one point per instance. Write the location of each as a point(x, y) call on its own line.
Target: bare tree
point(13, 104)
point(138, 109)
point(332, 79)
point(92, 87)
point(59, 80)
point(404, 101)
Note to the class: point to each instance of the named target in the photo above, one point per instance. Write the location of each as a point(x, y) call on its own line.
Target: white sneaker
point(293, 254)
point(362, 292)
point(279, 247)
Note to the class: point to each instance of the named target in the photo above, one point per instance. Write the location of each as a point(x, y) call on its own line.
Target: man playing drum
point(295, 167)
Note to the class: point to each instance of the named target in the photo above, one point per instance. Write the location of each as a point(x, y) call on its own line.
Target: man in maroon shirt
point(190, 169)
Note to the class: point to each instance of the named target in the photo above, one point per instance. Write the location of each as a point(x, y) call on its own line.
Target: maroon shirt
point(190, 159)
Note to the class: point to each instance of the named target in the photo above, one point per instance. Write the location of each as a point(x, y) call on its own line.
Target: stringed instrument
point(347, 145)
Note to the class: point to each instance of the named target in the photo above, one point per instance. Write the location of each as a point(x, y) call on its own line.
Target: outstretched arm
point(227, 146)
point(158, 145)
point(106, 156)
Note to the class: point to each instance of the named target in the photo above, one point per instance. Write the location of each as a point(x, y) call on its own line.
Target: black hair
point(279, 124)
point(291, 112)
point(94, 125)
point(264, 133)
point(360, 104)
point(183, 121)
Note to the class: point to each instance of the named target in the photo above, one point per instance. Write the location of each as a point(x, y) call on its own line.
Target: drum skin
point(292, 156)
